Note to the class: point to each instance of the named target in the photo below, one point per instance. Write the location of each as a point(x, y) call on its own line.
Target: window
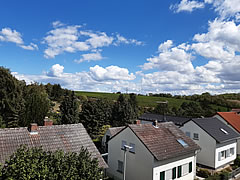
point(231, 151)
point(120, 166)
point(195, 136)
point(107, 138)
point(221, 155)
point(190, 167)
point(228, 153)
point(123, 144)
point(174, 173)
point(182, 142)
point(179, 171)
point(162, 175)
point(168, 174)
point(132, 150)
point(188, 134)
point(185, 169)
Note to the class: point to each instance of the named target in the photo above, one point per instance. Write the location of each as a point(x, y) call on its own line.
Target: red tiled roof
point(162, 142)
point(232, 118)
point(69, 138)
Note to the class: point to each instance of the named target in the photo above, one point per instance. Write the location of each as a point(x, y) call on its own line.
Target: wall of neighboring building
point(228, 156)
point(225, 122)
point(207, 154)
point(168, 165)
point(139, 164)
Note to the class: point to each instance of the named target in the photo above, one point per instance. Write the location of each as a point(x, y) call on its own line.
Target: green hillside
point(144, 101)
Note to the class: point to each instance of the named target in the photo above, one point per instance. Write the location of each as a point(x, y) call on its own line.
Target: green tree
point(35, 163)
point(37, 105)
point(94, 115)
point(11, 98)
point(123, 112)
point(69, 108)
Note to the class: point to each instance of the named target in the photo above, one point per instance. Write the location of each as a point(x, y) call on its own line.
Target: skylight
point(224, 131)
point(182, 142)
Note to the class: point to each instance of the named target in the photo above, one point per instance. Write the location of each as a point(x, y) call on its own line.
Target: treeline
point(187, 109)
point(94, 114)
point(22, 104)
point(207, 98)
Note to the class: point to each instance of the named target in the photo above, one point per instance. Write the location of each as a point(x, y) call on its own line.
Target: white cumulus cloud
point(9, 35)
point(187, 5)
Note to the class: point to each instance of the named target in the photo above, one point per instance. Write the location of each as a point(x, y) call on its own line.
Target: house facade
point(155, 153)
point(218, 142)
point(232, 119)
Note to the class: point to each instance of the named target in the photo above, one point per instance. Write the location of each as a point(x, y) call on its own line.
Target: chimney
point(137, 122)
point(155, 124)
point(33, 129)
point(48, 122)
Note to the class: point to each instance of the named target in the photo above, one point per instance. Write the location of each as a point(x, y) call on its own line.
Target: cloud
point(170, 59)
point(186, 5)
point(90, 57)
point(72, 39)
point(122, 40)
point(111, 78)
point(56, 71)
point(9, 35)
point(110, 73)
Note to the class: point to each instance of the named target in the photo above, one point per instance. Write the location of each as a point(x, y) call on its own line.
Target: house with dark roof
point(218, 142)
point(69, 138)
point(150, 118)
point(232, 119)
point(152, 152)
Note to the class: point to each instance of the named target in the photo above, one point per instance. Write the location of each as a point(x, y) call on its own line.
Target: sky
point(141, 46)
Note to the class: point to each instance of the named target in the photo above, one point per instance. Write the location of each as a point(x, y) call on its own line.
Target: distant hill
point(223, 104)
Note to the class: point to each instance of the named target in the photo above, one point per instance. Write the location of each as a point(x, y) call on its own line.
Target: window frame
point(120, 166)
point(195, 136)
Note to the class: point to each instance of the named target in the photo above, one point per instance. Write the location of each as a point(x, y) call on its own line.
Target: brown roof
point(115, 130)
point(69, 138)
point(232, 118)
point(162, 142)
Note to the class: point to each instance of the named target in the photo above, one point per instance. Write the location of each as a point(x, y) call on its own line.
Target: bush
point(237, 161)
point(203, 173)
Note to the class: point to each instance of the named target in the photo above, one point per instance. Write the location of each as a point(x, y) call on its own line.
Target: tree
point(124, 112)
point(11, 98)
point(37, 105)
point(94, 115)
point(35, 163)
point(69, 108)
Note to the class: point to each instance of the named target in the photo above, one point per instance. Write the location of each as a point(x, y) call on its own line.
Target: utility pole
point(126, 147)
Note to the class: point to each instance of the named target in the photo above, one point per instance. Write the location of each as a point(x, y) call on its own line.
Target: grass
point(145, 101)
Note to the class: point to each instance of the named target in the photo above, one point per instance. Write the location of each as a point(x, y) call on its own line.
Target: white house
point(158, 152)
point(232, 119)
point(218, 142)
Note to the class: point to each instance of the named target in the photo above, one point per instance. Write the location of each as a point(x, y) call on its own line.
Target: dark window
point(107, 138)
point(179, 171)
point(120, 166)
point(174, 173)
point(190, 167)
point(162, 175)
point(195, 136)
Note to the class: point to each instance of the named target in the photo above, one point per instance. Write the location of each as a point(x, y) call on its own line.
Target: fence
point(234, 173)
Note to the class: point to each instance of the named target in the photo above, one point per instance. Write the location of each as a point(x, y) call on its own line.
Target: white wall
point(139, 165)
point(207, 154)
point(222, 147)
point(166, 165)
point(225, 122)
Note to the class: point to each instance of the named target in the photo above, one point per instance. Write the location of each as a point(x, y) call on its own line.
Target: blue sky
point(175, 46)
